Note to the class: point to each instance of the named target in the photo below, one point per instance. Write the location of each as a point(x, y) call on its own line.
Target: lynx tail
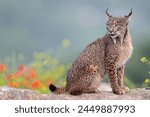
point(56, 90)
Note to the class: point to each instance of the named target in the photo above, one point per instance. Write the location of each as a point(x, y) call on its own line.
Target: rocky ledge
point(22, 94)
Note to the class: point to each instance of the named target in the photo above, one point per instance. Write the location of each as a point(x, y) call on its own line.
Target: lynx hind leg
point(120, 75)
point(95, 80)
point(94, 84)
point(87, 83)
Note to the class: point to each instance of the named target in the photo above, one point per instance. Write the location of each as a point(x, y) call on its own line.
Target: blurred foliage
point(146, 82)
point(129, 83)
point(135, 69)
point(37, 76)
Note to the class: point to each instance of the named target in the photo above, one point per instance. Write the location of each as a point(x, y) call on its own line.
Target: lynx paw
point(119, 92)
point(126, 89)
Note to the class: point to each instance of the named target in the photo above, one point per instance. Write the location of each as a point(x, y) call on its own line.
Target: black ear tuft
point(52, 87)
point(108, 13)
point(129, 13)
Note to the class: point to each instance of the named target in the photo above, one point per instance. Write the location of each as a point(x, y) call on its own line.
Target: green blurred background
point(49, 34)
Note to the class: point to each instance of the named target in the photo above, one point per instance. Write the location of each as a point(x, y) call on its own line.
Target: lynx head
point(117, 26)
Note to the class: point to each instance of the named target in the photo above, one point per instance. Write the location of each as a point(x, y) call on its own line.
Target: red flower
point(3, 67)
point(21, 67)
point(20, 71)
point(31, 74)
point(36, 84)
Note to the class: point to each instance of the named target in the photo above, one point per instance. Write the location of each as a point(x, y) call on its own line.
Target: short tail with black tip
point(56, 90)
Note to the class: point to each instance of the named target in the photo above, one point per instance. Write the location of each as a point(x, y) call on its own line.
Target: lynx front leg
point(120, 75)
point(112, 74)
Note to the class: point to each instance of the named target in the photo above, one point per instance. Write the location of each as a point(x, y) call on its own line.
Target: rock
point(23, 94)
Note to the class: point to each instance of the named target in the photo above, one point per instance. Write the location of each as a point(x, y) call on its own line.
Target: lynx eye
point(115, 24)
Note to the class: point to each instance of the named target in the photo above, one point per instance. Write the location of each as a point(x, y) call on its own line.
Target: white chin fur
point(116, 36)
point(114, 39)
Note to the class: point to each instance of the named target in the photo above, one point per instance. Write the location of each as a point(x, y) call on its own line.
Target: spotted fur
point(106, 55)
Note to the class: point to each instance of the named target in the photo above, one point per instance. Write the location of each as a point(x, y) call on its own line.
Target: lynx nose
point(111, 31)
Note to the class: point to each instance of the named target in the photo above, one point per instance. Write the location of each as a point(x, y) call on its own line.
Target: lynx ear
point(129, 15)
point(108, 13)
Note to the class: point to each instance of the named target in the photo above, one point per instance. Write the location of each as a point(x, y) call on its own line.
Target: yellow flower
point(147, 81)
point(143, 59)
point(66, 43)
